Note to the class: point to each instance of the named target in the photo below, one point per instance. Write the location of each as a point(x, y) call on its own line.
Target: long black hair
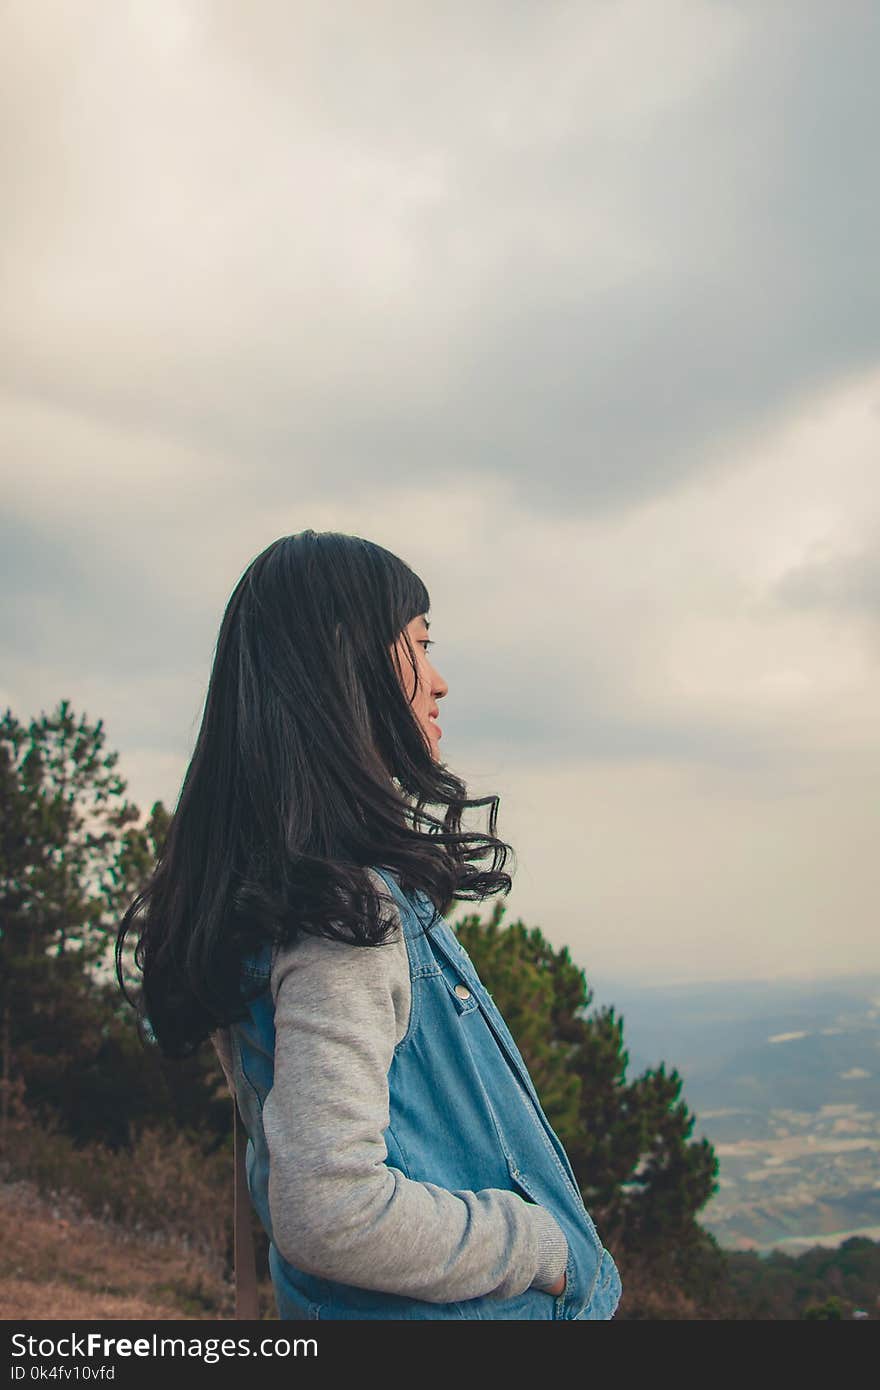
point(309, 767)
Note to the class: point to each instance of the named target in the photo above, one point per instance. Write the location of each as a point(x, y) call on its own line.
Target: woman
point(398, 1154)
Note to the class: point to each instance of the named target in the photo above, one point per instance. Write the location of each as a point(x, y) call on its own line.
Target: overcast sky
point(576, 308)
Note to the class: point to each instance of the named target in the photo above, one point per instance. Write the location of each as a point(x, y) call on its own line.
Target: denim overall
point(463, 1114)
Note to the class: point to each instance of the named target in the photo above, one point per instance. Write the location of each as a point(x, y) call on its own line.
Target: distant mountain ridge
point(718, 1035)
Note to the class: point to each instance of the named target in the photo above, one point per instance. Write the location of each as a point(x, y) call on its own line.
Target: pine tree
point(641, 1177)
point(72, 855)
point(62, 813)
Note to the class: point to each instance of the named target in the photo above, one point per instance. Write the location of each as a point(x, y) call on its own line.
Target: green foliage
point(832, 1308)
point(71, 857)
point(629, 1142)
point(810, 1285)
point(531, 999)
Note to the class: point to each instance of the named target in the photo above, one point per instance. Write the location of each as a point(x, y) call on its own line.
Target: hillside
point(60, 1263)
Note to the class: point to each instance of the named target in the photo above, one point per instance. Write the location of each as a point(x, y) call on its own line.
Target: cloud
point(664, 632)
point(574, 307)
point(573, 246)
point(839, 583)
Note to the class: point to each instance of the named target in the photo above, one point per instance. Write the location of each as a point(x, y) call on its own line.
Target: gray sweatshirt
point(338, 1210)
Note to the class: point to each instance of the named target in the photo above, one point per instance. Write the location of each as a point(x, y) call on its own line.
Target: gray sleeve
point(338, 1209)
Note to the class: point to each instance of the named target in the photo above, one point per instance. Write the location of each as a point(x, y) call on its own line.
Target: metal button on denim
point(462, 991)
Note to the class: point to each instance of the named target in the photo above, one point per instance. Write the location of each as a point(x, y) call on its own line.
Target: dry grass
point(90, 1233)
point(59, 1263)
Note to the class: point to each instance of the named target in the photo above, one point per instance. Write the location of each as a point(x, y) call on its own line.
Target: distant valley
point(784, 1080)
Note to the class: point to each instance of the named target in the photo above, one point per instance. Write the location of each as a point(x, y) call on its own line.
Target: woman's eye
point(427, 642)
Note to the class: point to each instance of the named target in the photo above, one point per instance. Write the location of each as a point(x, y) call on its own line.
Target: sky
point(574, 307)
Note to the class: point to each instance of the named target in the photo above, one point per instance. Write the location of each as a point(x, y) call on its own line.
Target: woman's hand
point(558, 1287)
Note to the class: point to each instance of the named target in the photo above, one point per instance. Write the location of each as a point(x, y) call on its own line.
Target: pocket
point(607, 1291)
point(585, 1251)
point(520, 1184)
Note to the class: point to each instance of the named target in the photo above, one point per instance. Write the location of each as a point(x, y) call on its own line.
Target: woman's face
point(429, 686)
